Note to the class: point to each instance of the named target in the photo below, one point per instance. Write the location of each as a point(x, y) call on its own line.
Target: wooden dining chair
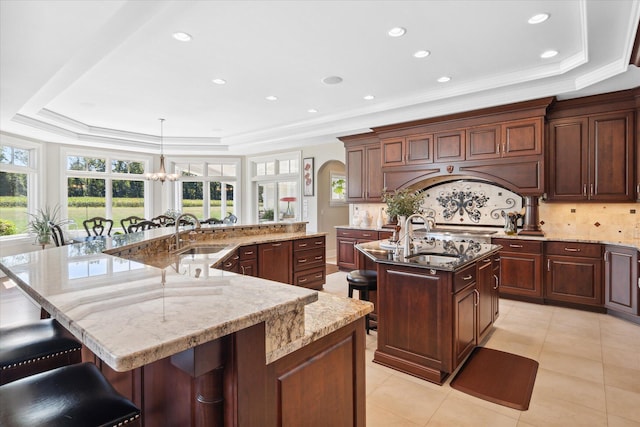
point(57, 234)
point(98, 225)
point(164, 220)
point(126, 222)
point(211, 221)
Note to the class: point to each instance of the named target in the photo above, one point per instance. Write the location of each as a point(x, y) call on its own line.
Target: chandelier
point(162, 174)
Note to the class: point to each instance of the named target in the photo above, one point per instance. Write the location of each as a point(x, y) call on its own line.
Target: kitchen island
point(434, 306)
point(192, 345)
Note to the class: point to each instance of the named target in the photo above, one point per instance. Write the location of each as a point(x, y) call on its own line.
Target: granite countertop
point(131, 314)
point(436, 254)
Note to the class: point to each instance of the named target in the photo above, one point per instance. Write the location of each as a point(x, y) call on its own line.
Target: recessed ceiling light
point(444, 79)
point(368, 97)
point(397, 32)
point(183, 37)
point(219, 81)
point(539, 18)
point(548, 54)
point(422, 54)
point(312, 110)
point(332, 80)
point(271, 98)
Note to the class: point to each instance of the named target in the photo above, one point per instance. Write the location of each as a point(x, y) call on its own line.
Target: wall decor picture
point(307, 176)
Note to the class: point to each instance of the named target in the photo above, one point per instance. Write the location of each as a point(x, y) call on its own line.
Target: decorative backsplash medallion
point(469, 202)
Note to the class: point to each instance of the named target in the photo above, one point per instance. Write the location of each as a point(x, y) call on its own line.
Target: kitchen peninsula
point(435, 305)
point(192, 345)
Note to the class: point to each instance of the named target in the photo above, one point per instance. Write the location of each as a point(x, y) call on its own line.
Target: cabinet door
point(483, 142)
point(392, 151)
point(346, 253)
point(464, 323)
point(373, 176)
point(355, 174)
point(522, 138)
point(449, 146)
point(495, 295)
point(611, 148)
point(274, 261)
point(419, 149)
point(574, 279)
point(521, 274)
point(248, 267)
point(620, 279)
point(568, 157)
point(484, 285)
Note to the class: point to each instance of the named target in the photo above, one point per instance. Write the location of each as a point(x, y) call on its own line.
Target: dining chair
point(98, 225)
point(126, 222)
point(142, 226)
point(164, 220)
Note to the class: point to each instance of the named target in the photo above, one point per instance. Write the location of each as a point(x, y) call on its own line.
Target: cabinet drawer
point(384, 235)
point(304, 260)
point(464, 278)
point(357, 234)
point(313, 279)
point(248, 252)
point(515, 245)
point(590, 250)
point(304, 244)
point(231, 263)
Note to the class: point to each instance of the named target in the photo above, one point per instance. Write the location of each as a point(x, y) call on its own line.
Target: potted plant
point(402, 203)
point(42, 222)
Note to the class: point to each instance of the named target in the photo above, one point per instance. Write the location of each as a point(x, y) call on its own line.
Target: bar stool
point(76, 395)
point(36, 347)
point(363, 281)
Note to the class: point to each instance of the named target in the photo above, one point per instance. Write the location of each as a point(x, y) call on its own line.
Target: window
point(277, 187)
point(17, 187)
point(207, 189)
point(111, 186)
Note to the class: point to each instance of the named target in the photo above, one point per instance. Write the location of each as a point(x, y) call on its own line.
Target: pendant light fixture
point(162, 174)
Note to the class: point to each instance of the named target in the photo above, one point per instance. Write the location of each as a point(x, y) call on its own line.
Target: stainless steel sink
point(429, 258)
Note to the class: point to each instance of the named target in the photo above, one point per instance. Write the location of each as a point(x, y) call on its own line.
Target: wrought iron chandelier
point(162, 174)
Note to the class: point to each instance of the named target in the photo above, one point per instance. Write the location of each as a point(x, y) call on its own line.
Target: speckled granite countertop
point(131, 314)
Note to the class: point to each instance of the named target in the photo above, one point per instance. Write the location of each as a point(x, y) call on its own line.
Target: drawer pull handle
point(366, 234)
point(319, 257)
point(303, 245)
point(319, 242)
point(486, 260)
point(304, 279)
point(497, 282)
point(249, 253)
point(319, 276)
point(469, 277)
point(276, 244)
point(572, 249)
point(229, 264)
point(302, 260)
point(236, 257)
point(511, 245)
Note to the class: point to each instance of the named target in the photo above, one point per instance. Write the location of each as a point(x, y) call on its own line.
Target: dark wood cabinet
point(449, 146)
point(309, 262)
point(509, 139)
point(248, 260)
point(520, 268)
point(407, 150)
point(622, 288)
point(495, 294)
point(231, 263)
point(485, 288)
point(348, 257)
point(591, 158)
point(465, 313)
point(574, 273)
point(484, 142)
point(274, 261)
point(364, 168)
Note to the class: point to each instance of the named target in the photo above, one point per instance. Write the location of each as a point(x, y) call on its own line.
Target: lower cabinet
point(274, 261)
point(309, 262)
point(621, 283)
point(574, 273)
point(348, 257)
point(248, 260)
point(486, 296)
point(520, 268)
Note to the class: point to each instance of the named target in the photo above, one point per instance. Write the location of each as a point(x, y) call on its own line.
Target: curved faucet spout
point(177, 234)
point(408, 231)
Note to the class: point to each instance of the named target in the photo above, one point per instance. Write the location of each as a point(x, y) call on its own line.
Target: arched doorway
point(331, 213)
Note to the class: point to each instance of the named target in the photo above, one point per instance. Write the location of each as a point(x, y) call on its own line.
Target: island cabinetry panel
point(364, 168)
point(465, 313)
point(414, 321)
point(309, 262)
point(520, 268)
point(495, 294)
point(622, 288)
point(407, 150)
point(248, 260)
point(274, 261)
point(232, 263)
point(485, 284)
point(574, 273)
point(591, 158)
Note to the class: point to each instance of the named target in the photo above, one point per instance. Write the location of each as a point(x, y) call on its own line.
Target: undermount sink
point(431, 258)
point(202, 250)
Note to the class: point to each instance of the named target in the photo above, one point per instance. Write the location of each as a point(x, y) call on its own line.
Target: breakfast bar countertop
point(131, 314)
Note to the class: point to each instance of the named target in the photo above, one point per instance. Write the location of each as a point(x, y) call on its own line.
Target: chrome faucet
point(177, 234)
point(408, 235)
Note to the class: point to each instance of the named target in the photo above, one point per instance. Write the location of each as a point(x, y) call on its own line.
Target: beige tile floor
point(589, 372)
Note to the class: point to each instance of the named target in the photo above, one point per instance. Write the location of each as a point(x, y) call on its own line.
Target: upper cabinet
point(364, 171)
point(509, 139)
point(591, 158)
point(449, 146)
point(407, 150)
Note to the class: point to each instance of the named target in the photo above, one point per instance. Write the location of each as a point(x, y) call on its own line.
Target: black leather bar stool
point(36, 347)
point(363, 281)
point(76, 395)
